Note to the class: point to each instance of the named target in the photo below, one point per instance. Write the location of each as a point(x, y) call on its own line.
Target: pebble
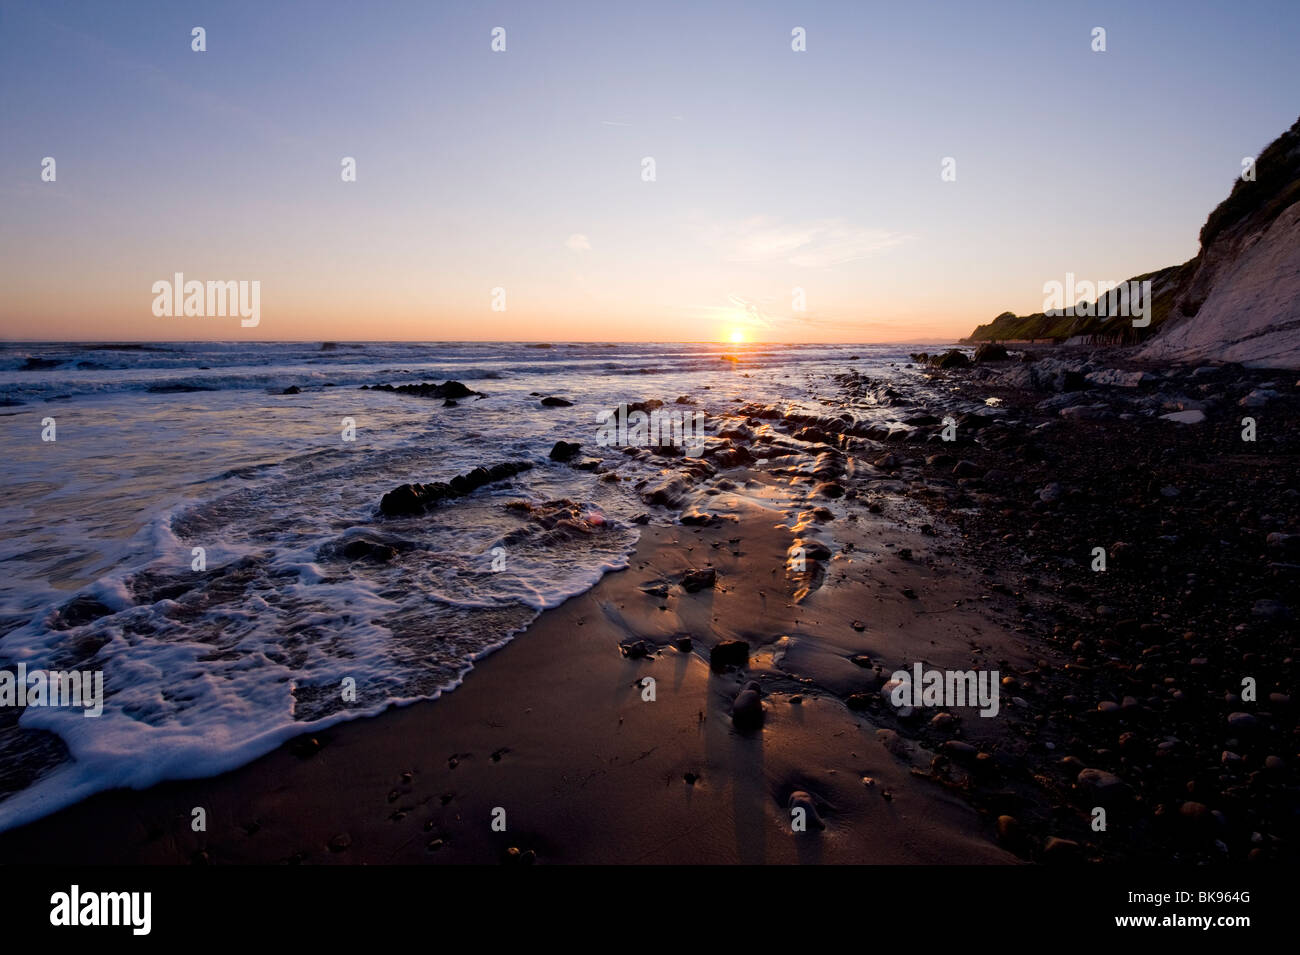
point(1099, 784)
point(340, 842)
point(747, 708)
point(1057, 850)
point(729, 653)
point(961, 751)
point(802, 800)
point(1242, 721)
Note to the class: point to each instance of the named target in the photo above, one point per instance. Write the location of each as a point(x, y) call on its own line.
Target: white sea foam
point(204, 671)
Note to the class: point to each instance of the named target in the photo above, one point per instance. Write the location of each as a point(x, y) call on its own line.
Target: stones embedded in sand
point(966, 469)
point(551, 401)
point(747, 708)
point(800, 800)
point(564, 450)
point(729, 653)
point(340, 842)
point(417, 498)
point(1051, 493)
point(696, 580)
point(637, 649)
point(1094, 412)
point(1009, 832)
point(892, 742)
point(1270, 610)
point(944, 722)
point(682, 642)
point(305, 746)
point(1106, 788)
point(1062, 851)
point(960, 751)
point(516, 856)
point(1242, 722)
point(858, 701)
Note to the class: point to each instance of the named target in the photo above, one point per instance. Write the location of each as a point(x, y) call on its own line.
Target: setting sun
point(737, 336)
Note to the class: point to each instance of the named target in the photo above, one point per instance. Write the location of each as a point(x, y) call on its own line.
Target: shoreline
point(969, 554)
point(553, 728)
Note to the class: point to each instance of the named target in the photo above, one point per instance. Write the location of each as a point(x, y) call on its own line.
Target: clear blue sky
point(522, 169)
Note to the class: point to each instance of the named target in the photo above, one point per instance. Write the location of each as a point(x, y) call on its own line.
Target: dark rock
point(729, 653)
point(363, 549)
point(564, 450)
point(695, 580)
point(637, 649)
point(1106, 788)
point(802, 800)
point(991, 351)
point(553, 402)
point(448, 389)
point(952, 358)
point(305, 746)
point(292, 390)
point(417, 498)
point(1057, 850)
point(747, 708)
point(78, 612)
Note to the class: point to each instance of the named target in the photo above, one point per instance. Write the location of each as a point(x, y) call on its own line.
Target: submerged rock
point(448, 389)
point(564, 450)
point(418, 498)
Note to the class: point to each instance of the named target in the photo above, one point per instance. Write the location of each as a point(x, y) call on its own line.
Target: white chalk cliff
point(1242, 301)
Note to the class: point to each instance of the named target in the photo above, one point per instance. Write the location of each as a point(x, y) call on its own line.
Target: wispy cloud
point(578, 242)
point(820, 244)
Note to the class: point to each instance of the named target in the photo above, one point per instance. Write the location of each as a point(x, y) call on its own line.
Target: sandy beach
point(554, 728)
point(556, 749)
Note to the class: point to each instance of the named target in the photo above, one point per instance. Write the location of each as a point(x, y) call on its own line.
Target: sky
point(523, 170)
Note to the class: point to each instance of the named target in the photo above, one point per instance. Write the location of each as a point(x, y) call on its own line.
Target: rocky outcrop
point(450, 390)
point(418, 498)
point(1243, 302)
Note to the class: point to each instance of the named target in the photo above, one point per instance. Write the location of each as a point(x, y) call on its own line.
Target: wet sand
point(553, 728)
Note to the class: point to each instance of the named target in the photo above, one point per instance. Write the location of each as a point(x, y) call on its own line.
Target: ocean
point(186, 531)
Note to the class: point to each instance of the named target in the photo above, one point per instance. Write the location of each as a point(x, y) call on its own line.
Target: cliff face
point(1242, 301)
point(1237, 301)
